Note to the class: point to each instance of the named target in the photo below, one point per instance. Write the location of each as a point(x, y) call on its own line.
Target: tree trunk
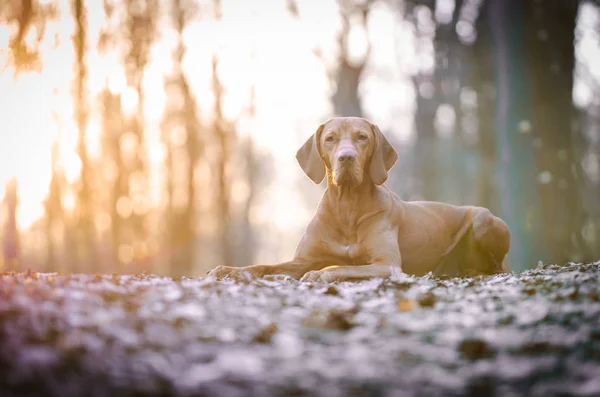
point(193, 149)
point(11, 244)
point(520, 205)
point(112, 130)
point(85, 212)
point(550, 37)
point(345, 99)
point(222, 196)
point(141, 24)
point(54, 213)
point(426, 145)
point(247, 241)
point(481, 59)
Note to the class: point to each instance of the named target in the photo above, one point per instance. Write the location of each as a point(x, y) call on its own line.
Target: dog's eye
point(362, 137)
point(330, 138)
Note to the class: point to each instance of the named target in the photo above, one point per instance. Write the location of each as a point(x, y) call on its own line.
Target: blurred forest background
point(159, 135)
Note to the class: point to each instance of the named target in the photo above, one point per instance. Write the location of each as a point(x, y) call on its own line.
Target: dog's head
point(347, 149)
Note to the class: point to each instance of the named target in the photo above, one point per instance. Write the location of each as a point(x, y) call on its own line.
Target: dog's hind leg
point(492, 242)
point(481, 249)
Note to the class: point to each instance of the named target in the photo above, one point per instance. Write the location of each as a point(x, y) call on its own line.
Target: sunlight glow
point(292, 96)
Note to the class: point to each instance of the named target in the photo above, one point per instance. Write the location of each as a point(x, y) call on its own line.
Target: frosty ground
point(535, 333)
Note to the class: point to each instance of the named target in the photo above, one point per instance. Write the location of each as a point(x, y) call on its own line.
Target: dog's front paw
point(312, 276)
point(219, 272)
point(317, 276)
point(234, 273)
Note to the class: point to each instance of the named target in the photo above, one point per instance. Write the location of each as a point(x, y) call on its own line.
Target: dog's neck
point(347, 203)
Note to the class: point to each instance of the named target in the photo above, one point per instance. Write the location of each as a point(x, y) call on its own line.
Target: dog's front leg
point(382, 244)
point(236, 273)
point(385, 254)
point(350, 273)
point(295, 269)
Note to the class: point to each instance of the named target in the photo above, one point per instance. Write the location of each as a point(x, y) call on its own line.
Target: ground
point(535, 333)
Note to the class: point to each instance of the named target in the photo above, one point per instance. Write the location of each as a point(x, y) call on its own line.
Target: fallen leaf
point(406, 305)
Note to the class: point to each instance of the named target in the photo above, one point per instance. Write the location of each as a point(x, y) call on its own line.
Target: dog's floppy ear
point(383, 158)
point(309, 157)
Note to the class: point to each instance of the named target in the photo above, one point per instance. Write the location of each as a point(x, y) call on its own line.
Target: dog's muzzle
point(347, 168)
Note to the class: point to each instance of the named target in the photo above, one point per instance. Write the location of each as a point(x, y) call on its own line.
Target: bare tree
point(246, 246)
point(550, 37)
point(345, 99)
point(11, 244)
point(113, 129)
point(136, 28)
point(347, 71)
point(426, 147)
point(55, 216)
point(140, 34)
point(85, 212)
point(223, 138)
point(519, 197)
point(26, 13)
point(181, 115)
point(482, 78)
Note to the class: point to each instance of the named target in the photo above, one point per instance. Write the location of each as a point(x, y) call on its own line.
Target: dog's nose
point(346, 155)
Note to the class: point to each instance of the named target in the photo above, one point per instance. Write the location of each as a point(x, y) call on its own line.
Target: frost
point(190, 311)
point(398, 276)
point(145, 334)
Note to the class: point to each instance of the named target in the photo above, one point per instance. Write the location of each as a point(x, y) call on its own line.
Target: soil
point(535, 333)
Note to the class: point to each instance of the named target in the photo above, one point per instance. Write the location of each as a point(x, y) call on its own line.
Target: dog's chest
point(353, 253)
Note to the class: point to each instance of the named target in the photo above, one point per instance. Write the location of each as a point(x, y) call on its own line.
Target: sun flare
point(37, 108)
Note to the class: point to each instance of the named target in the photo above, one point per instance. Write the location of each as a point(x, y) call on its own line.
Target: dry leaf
point(406, 305)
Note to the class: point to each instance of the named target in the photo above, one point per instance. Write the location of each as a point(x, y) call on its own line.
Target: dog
point(362, 230)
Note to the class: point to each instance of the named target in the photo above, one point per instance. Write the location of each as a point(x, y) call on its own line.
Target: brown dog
point(362, 229)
